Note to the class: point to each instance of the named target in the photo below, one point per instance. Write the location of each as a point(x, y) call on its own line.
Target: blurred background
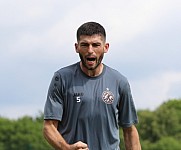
point(37, 38)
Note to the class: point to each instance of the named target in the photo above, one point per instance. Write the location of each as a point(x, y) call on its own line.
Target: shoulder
point(68, 70)
point(115, 74)
point(65, 73)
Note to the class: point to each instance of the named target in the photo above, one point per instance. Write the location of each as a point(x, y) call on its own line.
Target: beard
point(97, 60)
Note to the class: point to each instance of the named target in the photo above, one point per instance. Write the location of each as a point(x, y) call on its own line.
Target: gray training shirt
point(90, 109)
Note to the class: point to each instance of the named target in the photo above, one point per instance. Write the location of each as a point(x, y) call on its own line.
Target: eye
point(84, 44)
point(96, 44)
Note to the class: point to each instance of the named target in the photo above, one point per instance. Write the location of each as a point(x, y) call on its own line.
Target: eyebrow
point(84, 42)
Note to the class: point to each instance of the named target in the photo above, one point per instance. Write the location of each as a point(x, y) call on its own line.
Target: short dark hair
point(91, 28)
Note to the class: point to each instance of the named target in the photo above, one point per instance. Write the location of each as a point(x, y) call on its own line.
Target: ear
point(106, 47)
point(76, 48)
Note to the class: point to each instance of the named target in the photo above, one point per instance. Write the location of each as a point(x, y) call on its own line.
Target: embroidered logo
point(107, 96)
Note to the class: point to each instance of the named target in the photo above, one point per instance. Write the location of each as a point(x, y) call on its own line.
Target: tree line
point(159, 130)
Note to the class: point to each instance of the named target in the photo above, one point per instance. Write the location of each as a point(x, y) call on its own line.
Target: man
point(88, 101)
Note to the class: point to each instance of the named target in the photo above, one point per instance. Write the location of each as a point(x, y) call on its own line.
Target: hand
point(79, 146)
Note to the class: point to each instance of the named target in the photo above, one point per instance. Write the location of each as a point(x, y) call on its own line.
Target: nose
point(90, 49)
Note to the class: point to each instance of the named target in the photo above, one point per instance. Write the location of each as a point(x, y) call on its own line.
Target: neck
point(92, 73)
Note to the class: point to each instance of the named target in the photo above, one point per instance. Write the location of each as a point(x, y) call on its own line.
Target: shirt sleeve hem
point(127, 125)
point(52, 118)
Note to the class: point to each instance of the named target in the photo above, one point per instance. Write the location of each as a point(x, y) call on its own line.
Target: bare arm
point(55, 139)
point(131, 138)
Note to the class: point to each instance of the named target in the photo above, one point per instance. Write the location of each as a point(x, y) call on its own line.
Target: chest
point(93, 101)
point(90, 94)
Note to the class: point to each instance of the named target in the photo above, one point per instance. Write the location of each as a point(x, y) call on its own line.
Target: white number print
point(78, 99)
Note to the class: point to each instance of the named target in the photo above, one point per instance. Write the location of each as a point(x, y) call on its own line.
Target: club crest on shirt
point(107, 96)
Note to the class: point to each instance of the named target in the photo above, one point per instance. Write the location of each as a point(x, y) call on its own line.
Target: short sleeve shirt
point(90, 109)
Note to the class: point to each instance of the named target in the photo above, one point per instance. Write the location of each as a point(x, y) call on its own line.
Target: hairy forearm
point(54, 138)
point(131, 139)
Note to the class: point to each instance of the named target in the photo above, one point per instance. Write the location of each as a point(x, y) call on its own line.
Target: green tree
point(6, 132)
point(24, 133)
point(166, 143)
point(161, 127)
point(169, 118)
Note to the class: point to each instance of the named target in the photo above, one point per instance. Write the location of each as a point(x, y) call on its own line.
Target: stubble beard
point(98, 62)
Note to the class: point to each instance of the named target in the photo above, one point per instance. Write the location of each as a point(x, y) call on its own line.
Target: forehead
point(92, 38)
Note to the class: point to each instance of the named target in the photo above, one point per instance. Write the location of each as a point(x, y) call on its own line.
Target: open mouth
point(91, 59)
